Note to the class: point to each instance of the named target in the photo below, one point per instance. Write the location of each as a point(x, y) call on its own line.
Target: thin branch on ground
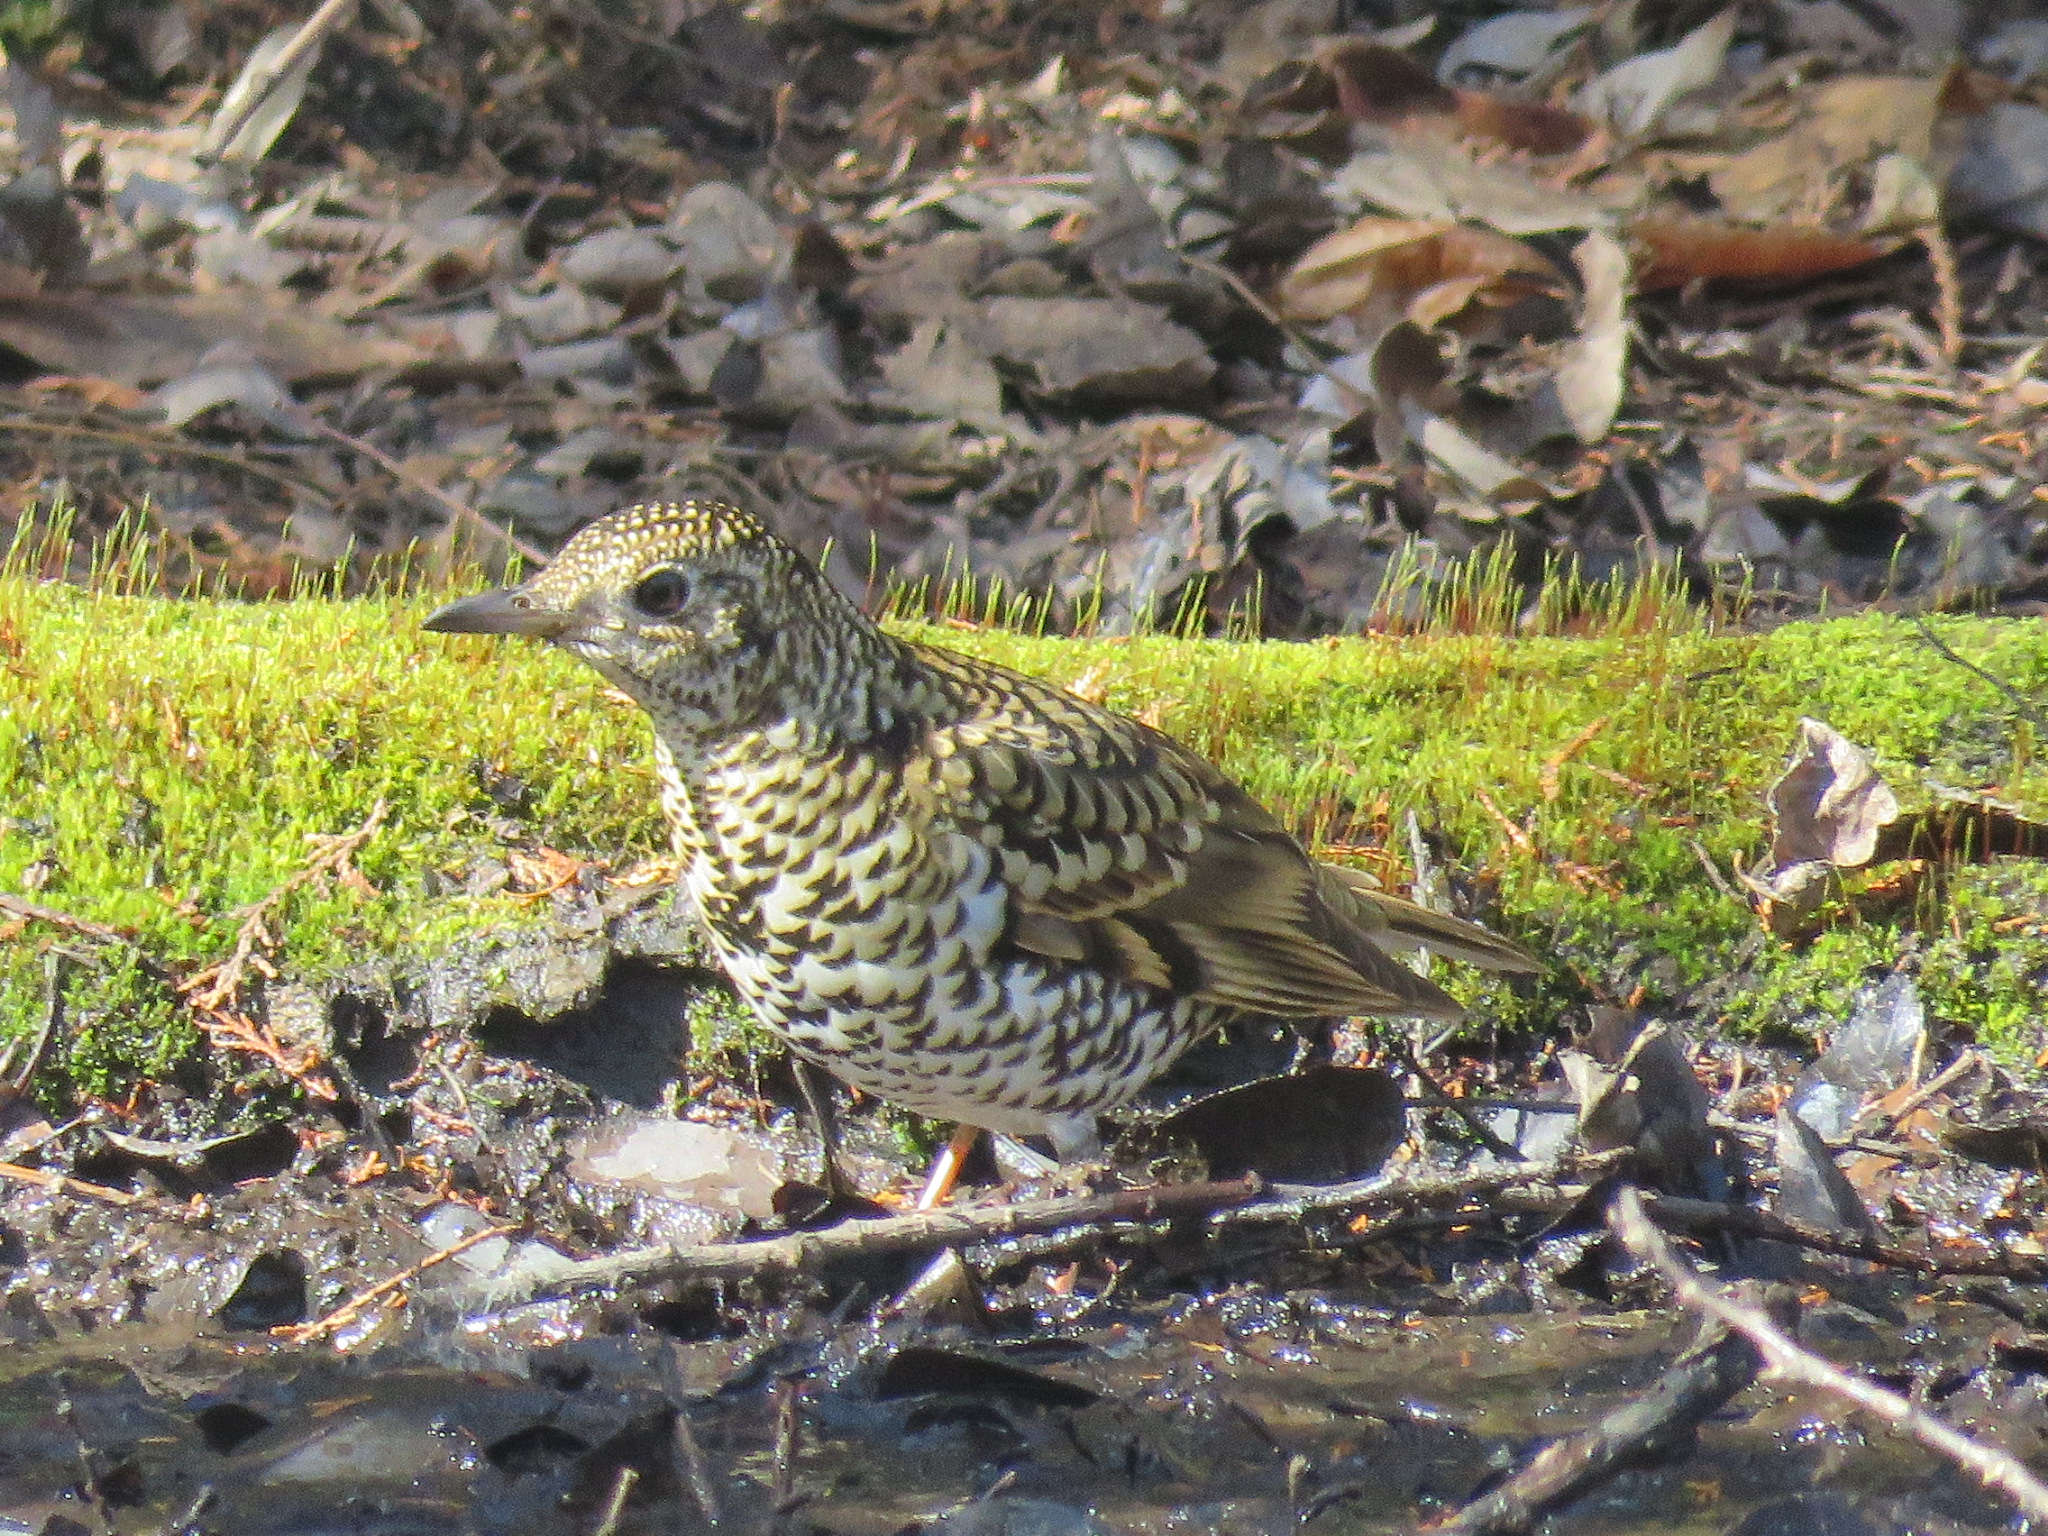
point(333, 855)
point(357, 1305)
point(84, 926)
point(1656, 1426)
point(1304, 1203)
point(169, 442)
point(1474, 1120)
point(697, 1474)
point(947, 1227)
point(1512, 829)
point(1994, 1468)
point(311, 34)
point(1876, 1119)
point(207, 992)
point(458, 509)
point(1747, 1221)
point(64, 1184)
point(2027, 708)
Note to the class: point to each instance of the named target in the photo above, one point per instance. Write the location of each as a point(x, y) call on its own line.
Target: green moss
point(163, 765)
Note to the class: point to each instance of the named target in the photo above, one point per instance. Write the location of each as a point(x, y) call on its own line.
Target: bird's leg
point(938, 1184)
point(816, 1088)
point(1075, 1137)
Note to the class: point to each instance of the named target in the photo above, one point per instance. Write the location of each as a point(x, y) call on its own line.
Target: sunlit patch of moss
point(163, 765)
point(723, 1030)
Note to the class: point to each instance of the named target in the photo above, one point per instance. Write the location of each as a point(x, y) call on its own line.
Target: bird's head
point(692, 607)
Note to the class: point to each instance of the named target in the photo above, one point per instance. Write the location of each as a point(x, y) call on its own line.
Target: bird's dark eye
point(661, 593)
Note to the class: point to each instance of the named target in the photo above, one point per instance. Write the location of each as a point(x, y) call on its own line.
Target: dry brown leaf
point(1378, 84)
point(1591, 378)
point(542, 871)
point(1423, 270)
point(1677, 251)
point(1535, 126)
point(1635, 93)
point(1799, 176)
point(1385, 86)
point(1830, 803)
point(145, 339)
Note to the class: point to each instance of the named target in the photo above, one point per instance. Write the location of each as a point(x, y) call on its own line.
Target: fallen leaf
point(1678, 251)
point(1635, 93)
point(1803, 175)
point(1590, 380)
point(1420, 178)
point(1830, 803)
point(1384, 270)
point(145, 339)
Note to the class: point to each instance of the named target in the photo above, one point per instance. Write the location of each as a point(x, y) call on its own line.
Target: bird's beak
point(506, 611)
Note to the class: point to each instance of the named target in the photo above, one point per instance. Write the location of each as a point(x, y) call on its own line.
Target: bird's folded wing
point(1124, 852)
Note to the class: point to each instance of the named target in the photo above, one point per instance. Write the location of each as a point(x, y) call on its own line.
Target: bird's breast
point(823, 883)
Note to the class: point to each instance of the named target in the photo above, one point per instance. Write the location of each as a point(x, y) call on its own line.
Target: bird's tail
point(1394, 924)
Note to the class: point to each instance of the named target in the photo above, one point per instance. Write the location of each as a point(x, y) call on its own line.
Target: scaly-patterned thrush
point(952, 885)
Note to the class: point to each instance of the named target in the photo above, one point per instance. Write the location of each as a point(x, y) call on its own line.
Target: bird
point(954, 886)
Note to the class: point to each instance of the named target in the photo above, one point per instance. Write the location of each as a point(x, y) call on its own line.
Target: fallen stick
point(1657, 1425)
point(64, 1184)
point(1994, 1468)
point(1746, 1221)
point(950, 1226)
point(1296, 1202)
point(385, 1290)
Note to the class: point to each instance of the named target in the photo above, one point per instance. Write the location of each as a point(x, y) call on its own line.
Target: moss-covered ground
point(166, 764)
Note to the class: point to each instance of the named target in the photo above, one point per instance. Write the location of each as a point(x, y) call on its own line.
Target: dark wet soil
point(1356, 1408)
point(183, 1355)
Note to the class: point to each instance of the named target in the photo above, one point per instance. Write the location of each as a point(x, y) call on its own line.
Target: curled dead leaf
point(1590, 380)
point(1677, 251)
point(1423, 270)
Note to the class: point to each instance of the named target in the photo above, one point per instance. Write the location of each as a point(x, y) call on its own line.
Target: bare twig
point(18, 1074)
point(615, 1505)
point(1992, 1467)
point(64, 1184)
point(458, 509)
point(1516, 833)
point(1258, 305)
point(1550, 777)
point(1333, 1200)
point(1876, 1120)
point(21, 907)
point(208, 992)
point(171, 443)
point(1719, 881)
point(1746, 1221)
point(333, 854)
point(357, 1305)
point(696, 1473)
point(788, 1440)
point(1474, 1119)
point(800, 1252)
point(2019, 701)
point(1652, 1427)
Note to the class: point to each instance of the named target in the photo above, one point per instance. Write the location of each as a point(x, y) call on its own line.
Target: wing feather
point(1125, 852)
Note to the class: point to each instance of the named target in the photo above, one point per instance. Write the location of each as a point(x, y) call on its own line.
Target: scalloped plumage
point(950, 884)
